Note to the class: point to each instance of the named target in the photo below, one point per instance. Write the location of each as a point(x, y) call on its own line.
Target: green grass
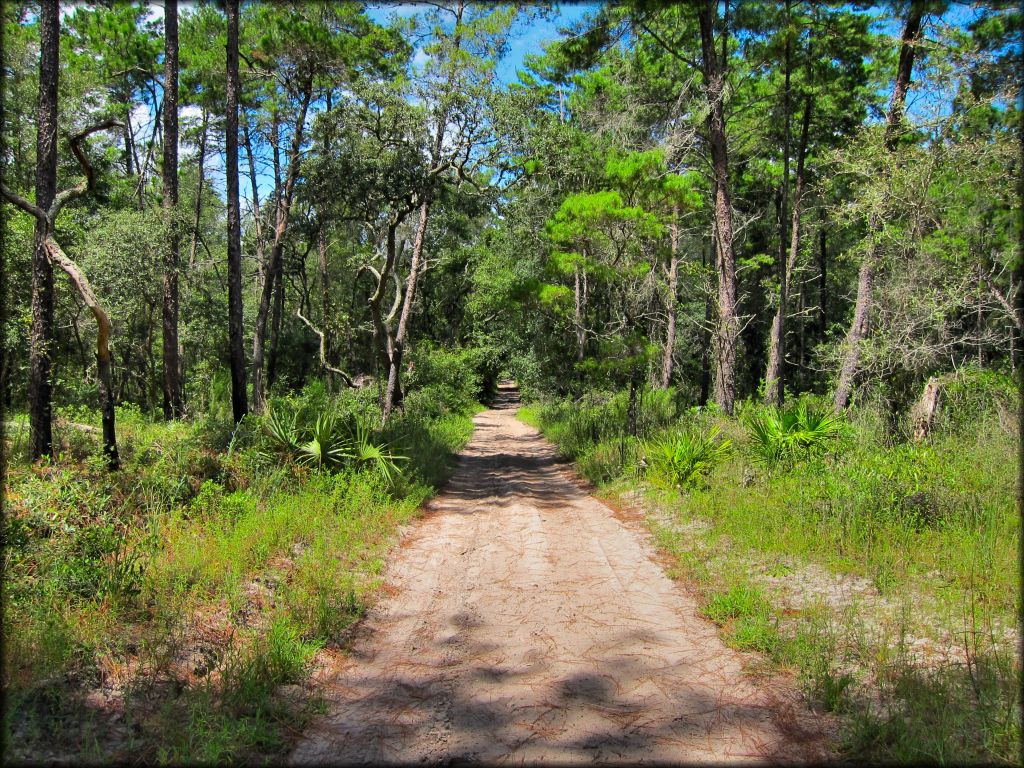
point(931, 528)
point(208, 530)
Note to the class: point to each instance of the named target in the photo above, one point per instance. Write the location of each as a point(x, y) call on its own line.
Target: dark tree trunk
point(774, 383)
point(822, 281)
point(276, 320)
point(41, 332)
point(673, 300)
point(173, 405)
point(727, 334)
point(859, 327)
point(776, 374)
point(239, 405)
point(705, 355)
point(580, 298)
point(283, 209)
point(193, 248)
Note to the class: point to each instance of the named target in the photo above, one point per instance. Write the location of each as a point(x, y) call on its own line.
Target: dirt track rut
point(523, 622)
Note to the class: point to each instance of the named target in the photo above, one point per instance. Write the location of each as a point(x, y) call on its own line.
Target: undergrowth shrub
point(780, 437)
point(685, 457)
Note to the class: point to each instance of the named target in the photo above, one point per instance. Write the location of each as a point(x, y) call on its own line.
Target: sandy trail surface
point(523, 622)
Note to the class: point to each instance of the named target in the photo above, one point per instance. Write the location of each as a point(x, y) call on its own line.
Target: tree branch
point(68, 195)
point(20, 202)
point(323, 348)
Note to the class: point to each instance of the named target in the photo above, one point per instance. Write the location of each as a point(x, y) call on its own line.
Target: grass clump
point(685, 458)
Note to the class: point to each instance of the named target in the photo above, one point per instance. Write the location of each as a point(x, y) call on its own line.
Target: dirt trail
point(524, 622)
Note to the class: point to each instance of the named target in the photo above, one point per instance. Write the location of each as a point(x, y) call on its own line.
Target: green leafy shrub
point(452, 375)
point(975, 395)
point(324, 446)
point(685, 458)
point(780, 437)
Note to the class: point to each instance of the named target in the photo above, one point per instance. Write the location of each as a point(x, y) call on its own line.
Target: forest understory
point(755, 270)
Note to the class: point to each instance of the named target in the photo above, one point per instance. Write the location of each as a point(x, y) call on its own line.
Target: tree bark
point(194, 246)
point(41, 331)
point(103, 363)
point(276, 321)
point(774, 384)
point(326, 338)
point(173, 405)
point(775, 374)
point(926, 408)
point(283, 209)
point(705, 354)
point(579, 290)
point(673, 300)
point(822, 280)
point(859, 327)
point(727, 334)
point(45, 218)
point(239, 404)
point(393, 393)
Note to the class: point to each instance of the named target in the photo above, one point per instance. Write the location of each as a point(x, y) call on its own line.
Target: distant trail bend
point(523, 622)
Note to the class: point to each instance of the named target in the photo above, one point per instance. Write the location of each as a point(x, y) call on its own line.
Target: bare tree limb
point(323, 349)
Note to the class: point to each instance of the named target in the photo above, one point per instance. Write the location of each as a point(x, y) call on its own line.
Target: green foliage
point(780, 437)
point(685, 458)
point(323, 446)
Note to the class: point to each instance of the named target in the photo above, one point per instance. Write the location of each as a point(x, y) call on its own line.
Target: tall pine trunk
point(776, 373)
point(774, 386)
point(173, 405)
point(239, 404)
point(673, 300)
point(283, 210)
point(41, 331)
point(727, 332)
point(194, 246)
point(859, 327)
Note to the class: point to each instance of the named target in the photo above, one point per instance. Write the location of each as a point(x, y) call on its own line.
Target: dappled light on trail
point(525, 622)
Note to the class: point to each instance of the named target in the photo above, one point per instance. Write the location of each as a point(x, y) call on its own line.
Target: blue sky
point(530, 41)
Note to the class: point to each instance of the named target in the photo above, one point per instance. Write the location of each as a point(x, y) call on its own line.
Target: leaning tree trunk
point(239, 404)
point(776, 371)
point(673, 300)
point(393, 392)
point(41, 331)
point(727, 334)
point(859, 328)
point(45, 218)
point(173, 405)
point(103, 364)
